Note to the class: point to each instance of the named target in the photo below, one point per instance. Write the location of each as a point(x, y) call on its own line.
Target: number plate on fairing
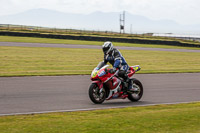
point(101, 73)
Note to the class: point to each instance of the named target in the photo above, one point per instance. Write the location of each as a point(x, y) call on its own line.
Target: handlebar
point(112, 76)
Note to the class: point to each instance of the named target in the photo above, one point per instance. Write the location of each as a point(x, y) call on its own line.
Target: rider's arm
point(105, 60)
point(117, 59)
point(117, 63)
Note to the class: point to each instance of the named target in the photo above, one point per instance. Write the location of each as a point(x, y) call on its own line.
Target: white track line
point(89, 109)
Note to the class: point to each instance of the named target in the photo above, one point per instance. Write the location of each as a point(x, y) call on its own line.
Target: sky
point(184, 12)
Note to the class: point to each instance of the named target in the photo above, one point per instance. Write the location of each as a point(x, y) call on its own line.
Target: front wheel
point(95, 95)
point(136, 95)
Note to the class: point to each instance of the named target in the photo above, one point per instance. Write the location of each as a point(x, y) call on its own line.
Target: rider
point(114, 57)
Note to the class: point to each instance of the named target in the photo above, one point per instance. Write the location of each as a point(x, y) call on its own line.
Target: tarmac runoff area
point(45, 94)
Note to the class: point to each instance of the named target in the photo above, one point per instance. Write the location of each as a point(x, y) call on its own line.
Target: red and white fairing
point(109, 86)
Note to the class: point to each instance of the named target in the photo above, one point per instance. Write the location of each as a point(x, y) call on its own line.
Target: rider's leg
point(128, 80)
point(124, 75)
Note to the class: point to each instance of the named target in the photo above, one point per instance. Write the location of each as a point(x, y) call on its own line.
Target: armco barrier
point(92, 38)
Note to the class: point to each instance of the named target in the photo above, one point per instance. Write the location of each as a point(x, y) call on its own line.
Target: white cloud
point(181, 11)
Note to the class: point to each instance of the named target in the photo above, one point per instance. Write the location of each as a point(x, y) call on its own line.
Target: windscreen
point(100, 65)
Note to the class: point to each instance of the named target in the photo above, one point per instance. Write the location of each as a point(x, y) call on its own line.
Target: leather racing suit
point(116, 59)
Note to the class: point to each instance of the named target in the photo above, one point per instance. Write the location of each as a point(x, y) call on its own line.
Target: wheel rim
point(137, 91)
point(97, 95)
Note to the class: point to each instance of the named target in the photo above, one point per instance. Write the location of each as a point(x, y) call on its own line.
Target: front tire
point(95, 95)
point(137, 94)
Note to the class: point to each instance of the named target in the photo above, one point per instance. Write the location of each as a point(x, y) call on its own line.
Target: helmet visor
point(105, 50)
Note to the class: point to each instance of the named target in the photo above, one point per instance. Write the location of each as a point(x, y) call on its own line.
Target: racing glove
point(112, 70)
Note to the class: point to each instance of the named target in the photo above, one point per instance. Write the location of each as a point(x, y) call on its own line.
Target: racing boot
point(127, 81)
point(130, 84)
point(131, 88)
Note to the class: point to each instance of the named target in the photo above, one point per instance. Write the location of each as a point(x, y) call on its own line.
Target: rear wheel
point(95, 95)
point(136, 93)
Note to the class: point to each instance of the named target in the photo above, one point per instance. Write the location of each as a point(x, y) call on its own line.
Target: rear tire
point(94, 94)
point(136, 95)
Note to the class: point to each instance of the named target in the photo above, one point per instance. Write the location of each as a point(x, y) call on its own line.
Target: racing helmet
point(107, 47)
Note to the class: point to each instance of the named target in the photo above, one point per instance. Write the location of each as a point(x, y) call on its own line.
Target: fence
point(180, 36)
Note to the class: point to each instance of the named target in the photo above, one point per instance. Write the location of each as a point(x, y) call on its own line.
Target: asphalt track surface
point(90, 46)
point(42, 94)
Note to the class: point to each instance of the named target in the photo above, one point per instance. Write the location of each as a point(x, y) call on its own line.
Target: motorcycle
point(107, 86)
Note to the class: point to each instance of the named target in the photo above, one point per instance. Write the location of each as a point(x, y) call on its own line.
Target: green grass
point(180, 118)
point(64, 41)
point(32, 61)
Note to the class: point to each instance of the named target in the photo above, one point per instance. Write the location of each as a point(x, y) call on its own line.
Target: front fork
point(99, 84)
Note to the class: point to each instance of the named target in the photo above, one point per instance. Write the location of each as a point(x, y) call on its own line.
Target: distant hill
point(96, 21)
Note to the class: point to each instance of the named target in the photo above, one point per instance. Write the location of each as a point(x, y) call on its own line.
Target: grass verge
point(150, 119)
point(65, 41)
point(29, 61)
